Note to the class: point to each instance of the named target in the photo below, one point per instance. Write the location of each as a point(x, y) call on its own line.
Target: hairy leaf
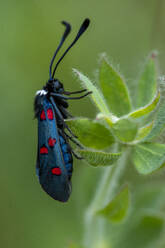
point(96, 95)
point(91, 133)
point(96, 158)
point(114, 90)
point(147, 83)
point(148, 157)
point(144, 131)
point(125, 129)
point(146, 109)
point(159, 123)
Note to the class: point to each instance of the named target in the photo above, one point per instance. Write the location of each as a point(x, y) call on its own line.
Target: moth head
point(54, 86)
point(58, 86)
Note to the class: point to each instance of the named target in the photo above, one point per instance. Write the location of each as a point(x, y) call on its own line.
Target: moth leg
point(61, 117)
point(56, 109)
point(64, 135)
point(70, 131)
point(70, 98)
point(74, 154)
point(74, 92)
point(74, 141)
point(65, 112)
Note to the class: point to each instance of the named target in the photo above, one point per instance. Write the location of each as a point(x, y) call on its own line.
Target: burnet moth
point(54, 157)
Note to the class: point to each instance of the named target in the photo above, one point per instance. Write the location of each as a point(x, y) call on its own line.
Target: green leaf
point(148, 157)
point(125, 129)
point(96, 95)
point(91, 133)
point(159, 123)
point(146, 109)
point(96, 158)
point(144, 131)
point(114, 90)
point(147, 83)
point(117, 209)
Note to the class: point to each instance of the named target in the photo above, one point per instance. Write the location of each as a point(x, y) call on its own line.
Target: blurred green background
point(30, 32)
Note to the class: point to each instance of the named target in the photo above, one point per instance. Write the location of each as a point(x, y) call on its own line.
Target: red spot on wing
point(56, 171)
point(42, 115)
point(50, 114)
point(43, 150)
point(51, 142)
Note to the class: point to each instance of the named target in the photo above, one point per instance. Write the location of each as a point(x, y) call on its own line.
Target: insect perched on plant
point(54, 159)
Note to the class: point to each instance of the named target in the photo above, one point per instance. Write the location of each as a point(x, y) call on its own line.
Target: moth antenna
point(82, 29)
point(66, 32)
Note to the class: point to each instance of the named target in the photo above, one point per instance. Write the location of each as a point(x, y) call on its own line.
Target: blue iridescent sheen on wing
point(58, 156)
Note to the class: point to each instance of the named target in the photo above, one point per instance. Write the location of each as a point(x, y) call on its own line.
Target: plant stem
point(95, 225)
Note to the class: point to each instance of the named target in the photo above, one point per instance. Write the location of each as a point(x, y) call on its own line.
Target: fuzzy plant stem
point(108, 185)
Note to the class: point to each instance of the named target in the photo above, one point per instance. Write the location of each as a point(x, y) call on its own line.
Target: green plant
point(122, 134)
